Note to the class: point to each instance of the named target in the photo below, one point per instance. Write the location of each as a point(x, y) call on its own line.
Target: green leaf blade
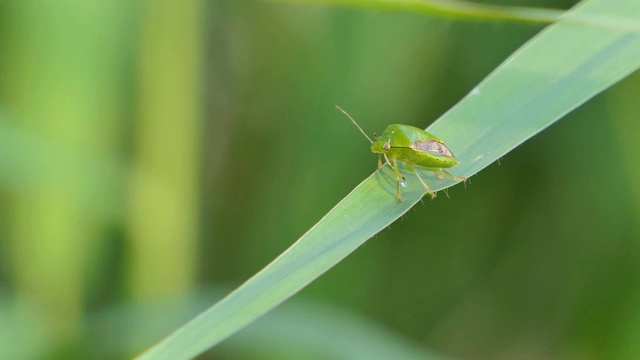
point(333, 238)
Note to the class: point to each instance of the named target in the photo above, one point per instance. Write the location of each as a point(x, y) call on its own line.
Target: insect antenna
point(355, 123)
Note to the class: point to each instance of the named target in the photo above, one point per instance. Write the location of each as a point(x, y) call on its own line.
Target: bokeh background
point(154, 155)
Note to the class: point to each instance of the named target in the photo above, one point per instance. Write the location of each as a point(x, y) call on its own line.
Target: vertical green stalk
point(59, 86)
point(624, 109)
point(164, 188)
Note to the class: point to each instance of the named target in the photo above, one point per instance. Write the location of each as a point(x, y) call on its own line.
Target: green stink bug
point(414, 148)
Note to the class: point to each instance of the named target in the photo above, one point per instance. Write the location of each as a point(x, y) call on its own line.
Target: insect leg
point(386, 159)
point(379, 161)
point(455, 178)
point(426, 187)
point(433, 195)
point(397, 172)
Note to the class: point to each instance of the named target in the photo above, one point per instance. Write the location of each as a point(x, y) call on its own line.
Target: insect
point(413, 148)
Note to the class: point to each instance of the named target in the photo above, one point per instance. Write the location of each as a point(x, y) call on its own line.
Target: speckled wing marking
point(433, 147)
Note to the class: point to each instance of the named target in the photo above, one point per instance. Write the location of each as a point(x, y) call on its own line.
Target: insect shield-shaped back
point(437, 151)
point(414, 146)
point(433, 146)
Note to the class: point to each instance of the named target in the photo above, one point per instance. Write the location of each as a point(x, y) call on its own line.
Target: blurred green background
point(154, 155)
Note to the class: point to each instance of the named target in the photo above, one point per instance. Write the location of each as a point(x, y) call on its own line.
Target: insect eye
point(386, 146)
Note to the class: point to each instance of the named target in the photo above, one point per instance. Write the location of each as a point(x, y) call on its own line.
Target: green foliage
point(450, 8)
point(567, 64)
point(150, 150)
